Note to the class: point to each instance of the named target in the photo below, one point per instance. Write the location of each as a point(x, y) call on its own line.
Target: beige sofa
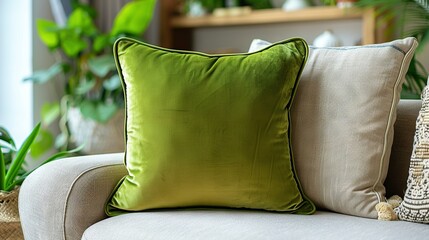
point(65, 200)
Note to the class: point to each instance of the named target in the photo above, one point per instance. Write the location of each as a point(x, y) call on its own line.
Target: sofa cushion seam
point(390, 123)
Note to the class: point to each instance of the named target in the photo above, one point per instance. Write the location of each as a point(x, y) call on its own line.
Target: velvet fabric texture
point(209, 130)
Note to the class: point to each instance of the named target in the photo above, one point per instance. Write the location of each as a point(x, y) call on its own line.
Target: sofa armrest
point(63, 198)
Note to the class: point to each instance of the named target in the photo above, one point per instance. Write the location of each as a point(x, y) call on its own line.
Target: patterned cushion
point(415, 207)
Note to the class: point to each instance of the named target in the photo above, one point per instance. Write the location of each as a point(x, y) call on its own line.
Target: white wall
point(42, 59)
point(22, 52)
point(16, 97)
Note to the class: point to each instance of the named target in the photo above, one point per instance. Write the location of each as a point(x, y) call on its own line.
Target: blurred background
point(43, 46)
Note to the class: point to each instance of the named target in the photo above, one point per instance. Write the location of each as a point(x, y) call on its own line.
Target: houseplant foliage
point(329, 2)
point(12, 159)
point(412, 19)
point(84, 59)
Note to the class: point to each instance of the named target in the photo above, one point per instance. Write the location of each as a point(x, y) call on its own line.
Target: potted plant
point(411, 18)
point(13, 172)
point(92, 90)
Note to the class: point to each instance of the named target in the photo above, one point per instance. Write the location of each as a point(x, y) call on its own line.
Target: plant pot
point(327, 39)
point(10, 226)
point(292, 5)
point(97, 137)
point(9, 206)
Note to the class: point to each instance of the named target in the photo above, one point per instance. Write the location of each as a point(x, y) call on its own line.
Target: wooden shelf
point(177, 31)
point(270, 16)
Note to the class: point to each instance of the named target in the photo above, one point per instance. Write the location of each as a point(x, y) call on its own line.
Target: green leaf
point(98, 112)
point(20, 156)
point(87, 108)
point(411, 18)
point(63, 154)
point(48, 33)
point(106, 111)
point(113, 83)
point(82, 21)
point(2, 171)
point(101, 42)
point(50, 112)
point(50, 159)
point(85, 87)
point(43, 142)
point(424, 40)
point(133, 18)
point(415, 79)
point(5, 136)
point(72, 43)
point(102, 65)
point(405, 94)
point(329, 2)
point(11, 186)
point(255, 4)
point(61, 141)
point(43, 76)
point(90, 10)
point(7, 145)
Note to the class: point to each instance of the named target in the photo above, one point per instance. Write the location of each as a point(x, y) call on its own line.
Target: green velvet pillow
point(209, 130)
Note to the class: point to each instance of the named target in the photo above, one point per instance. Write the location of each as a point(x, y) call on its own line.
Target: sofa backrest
point(405, 126)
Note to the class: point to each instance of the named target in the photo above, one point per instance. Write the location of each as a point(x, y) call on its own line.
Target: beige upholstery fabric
point(61, 199)
point(415, 207)
point(242, 224)
point(342, 123)
point(405, 127)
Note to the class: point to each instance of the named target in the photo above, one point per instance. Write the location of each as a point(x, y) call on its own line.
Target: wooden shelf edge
point(258, 17)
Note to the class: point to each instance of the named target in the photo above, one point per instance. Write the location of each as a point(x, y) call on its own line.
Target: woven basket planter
point(10, 227)
point(9, 206)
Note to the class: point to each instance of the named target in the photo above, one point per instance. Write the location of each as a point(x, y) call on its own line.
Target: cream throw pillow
point(342, 118)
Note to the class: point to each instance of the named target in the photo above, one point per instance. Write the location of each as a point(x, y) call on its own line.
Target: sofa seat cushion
point(244, 224)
